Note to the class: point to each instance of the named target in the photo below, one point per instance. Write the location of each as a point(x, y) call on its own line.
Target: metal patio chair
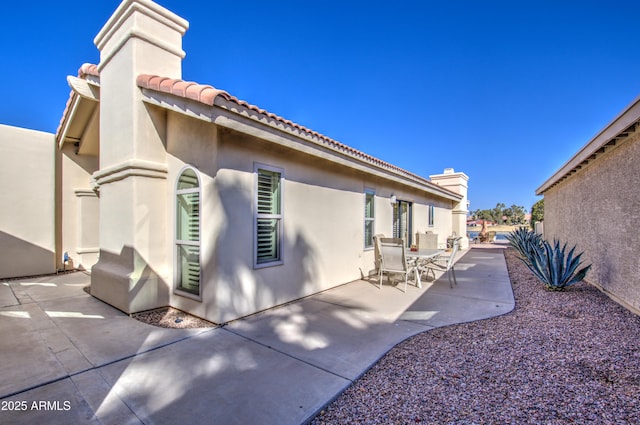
point(443, 263)
point(393, 260)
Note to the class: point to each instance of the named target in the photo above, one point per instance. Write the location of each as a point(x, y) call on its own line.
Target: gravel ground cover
point(558, 358)
point(169, 317)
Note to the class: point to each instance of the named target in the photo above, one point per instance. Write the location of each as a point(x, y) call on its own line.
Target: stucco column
point(132, 273)
point(456, 182)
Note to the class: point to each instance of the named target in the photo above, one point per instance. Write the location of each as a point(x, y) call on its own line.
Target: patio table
point(425, 256)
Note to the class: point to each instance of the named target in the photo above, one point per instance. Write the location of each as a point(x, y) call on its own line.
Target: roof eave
point(82, 90)
point(620, 127)
point(229, 114)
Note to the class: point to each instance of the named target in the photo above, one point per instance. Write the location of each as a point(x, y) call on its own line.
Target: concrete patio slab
point(108, 408)
point(56, 403)
point(365, 295)
point(344, 339)
point(438, 310)
point(67, 332)
point(483, 290)
point(43, 288)
point(277, 367)
point(6, 295)
point(82, 318)
point(27, 361)
point(219, 377)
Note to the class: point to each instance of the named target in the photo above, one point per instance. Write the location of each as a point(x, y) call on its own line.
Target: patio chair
point(491, 237)
point(377, 251)
point(393, 260)
point(443, 263)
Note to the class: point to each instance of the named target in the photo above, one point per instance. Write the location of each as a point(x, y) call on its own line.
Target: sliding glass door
point(402, 218)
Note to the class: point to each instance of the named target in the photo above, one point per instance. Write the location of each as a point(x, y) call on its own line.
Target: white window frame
point(372, 219)
point(256, 215)
point(177, 290)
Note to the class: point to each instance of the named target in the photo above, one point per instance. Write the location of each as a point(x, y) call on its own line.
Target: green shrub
point(524, 241)
point(556, 268)
point(537, 212)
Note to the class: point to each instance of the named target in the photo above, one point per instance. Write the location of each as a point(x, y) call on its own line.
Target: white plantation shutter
point(189, 268)
point(369, 217)
point(188, 216)
point(396, 220)
point(269, 216)
point(188, 232)
point(268, 186)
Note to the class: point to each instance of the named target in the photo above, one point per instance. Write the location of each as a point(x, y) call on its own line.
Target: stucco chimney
point(456, 182)
point(140, 38)
point(155, 34)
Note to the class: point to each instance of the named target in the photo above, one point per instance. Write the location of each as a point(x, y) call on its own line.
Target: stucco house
point(593, 201)
point(177, 193)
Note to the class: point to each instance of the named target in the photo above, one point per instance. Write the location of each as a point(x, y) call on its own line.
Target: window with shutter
point(369, 218)
point(268, 225)
point(188, 232)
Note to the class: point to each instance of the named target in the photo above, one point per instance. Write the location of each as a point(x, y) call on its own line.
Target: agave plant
point(555, 269)
point(525, 242)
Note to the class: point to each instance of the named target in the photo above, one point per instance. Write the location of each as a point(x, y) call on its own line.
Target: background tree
point(515, 214)
point(498, 213)
point(537, 212)
point(483, 215)
point(501, 215)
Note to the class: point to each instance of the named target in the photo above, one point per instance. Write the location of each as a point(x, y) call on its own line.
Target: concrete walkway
point(69, 358)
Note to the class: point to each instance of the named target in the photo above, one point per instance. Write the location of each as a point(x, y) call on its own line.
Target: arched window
point(188, 232)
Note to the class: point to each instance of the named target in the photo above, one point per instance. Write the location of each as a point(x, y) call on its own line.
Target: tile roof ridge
point(88, 69)
point(188, 89)
point(207, 94)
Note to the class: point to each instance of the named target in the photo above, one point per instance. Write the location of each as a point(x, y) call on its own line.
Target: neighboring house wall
point(594, 201)
point(27, 216)
point(598, 208)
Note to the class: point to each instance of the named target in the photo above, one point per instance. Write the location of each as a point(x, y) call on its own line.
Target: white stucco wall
point(323, 207)
point(143, 148)
point(79, 208)
point(442, 220)
point(27, 196)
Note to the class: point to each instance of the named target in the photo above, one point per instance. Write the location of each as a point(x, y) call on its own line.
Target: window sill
point(186, 294)
point(269, 264)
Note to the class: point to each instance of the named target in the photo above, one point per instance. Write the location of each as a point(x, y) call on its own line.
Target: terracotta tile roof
point(199, 92)
point(207, 95)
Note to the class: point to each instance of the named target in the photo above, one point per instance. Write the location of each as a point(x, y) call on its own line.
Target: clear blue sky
point(506, 91)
